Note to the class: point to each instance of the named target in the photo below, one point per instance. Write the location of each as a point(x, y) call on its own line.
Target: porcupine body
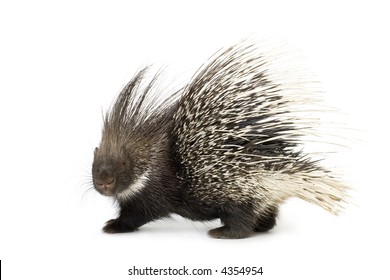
point(226, 147)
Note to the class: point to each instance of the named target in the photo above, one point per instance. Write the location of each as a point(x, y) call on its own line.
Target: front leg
point(131, 217)
point(117, 226)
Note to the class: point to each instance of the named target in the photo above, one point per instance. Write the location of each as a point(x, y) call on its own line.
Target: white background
point(61, 64)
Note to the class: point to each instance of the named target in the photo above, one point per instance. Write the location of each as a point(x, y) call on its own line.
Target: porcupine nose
point(105, 180)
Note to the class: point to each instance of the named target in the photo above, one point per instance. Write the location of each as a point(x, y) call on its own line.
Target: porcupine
point(226, 146)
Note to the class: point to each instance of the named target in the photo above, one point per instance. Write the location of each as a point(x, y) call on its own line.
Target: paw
point(115, 226)
point(112, 226)
point(228, 233)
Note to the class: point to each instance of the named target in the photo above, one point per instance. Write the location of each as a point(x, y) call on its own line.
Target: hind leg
point(266, 221)
point(230, 232)
point(237, 222)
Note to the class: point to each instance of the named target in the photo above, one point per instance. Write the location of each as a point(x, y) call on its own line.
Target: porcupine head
point(227, 146)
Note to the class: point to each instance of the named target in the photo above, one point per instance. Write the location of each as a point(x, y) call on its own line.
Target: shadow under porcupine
point(226, 146)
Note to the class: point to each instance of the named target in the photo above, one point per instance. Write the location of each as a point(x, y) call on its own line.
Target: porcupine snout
point(104, 178)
